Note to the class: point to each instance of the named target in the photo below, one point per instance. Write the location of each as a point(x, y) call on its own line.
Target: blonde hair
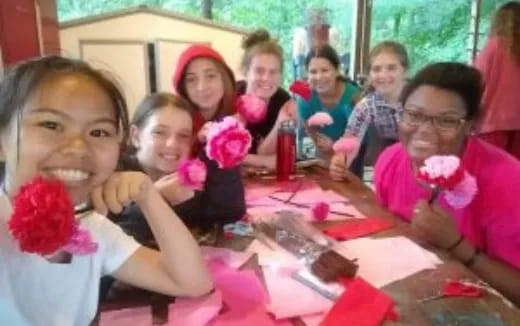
point(392, 47)
point(257, 43)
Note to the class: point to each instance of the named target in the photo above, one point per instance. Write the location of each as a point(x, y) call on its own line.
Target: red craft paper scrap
point(357, 228)
point(361, 305)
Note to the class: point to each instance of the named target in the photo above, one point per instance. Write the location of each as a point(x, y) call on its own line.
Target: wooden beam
point(361, 37)
point(474, 27)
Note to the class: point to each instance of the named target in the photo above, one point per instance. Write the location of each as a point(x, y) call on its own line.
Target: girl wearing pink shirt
point(499, 63)
point(440, 105)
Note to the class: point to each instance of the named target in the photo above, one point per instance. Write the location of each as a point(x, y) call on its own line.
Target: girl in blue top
point(331, 93)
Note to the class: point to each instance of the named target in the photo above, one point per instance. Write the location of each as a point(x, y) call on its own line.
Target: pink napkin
point(243, 295)
point(241, 290)
point(195, 311)
point(256, 317)
point(357, 228)
point(283, 290)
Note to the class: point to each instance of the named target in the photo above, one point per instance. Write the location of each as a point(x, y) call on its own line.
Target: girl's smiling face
point(67, 130)
point(163, 140)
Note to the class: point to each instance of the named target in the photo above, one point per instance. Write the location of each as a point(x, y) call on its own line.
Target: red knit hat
point(194, 52)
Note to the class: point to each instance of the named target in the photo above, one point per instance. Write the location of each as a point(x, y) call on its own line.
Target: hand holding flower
point(435, 225)
point(172, 189)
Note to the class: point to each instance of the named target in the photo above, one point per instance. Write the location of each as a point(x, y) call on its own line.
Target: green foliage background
point(432, 30)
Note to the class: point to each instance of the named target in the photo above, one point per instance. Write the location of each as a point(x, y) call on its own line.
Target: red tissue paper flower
point(320, 211)
point(43, 216)
point(441, 171)
point(252, 108)
point(192, 173)
point(446, 173)
point(228, 142)
point(302, 89)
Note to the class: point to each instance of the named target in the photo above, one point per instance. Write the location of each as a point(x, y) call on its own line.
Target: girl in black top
point(262, 66)
point(161, 135)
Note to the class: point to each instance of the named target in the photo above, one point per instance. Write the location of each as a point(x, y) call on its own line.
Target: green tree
point(432, 30)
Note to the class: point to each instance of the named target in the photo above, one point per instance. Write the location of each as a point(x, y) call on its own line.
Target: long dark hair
point(22, 80)
point(328, 53)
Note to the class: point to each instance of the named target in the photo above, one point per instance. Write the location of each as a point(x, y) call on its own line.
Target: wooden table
point(406, 293)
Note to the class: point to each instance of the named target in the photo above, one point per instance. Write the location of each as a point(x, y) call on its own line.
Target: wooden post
point(207, 9)
point(474, 29)
point(361, 36)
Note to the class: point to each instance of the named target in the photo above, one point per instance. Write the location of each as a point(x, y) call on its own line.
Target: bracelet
point(456, 244)
point(471, 260)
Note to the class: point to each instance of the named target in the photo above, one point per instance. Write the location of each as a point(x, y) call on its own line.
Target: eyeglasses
point(415, 119)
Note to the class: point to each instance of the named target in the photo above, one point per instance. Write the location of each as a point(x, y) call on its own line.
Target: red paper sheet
point(361, 305)
point(357, 228)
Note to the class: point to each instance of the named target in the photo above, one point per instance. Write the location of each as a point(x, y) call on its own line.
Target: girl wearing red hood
point(204, 79)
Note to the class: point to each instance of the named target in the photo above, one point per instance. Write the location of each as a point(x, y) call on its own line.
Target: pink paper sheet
point(283, 322)
point(267, 199)
point(259, 190)
point(139, 316)
point(195, 311)
point(256, 317)
point(289, 298)
point(381, 261)
point(241, 290)
point(243, 295)
point(268, 207)
point(232, 258)
point(256, 191)
point(313, 320)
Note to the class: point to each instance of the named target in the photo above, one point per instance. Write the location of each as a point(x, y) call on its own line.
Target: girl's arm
point(287, 112)
point(178, 269)
point(438, 227)
point(261, 161)
point(357, 126)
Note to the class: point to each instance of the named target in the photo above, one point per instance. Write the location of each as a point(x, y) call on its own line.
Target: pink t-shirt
point(501, 76)
point(491, 221)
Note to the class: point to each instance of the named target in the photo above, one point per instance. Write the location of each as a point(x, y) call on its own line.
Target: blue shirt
point(339, 113)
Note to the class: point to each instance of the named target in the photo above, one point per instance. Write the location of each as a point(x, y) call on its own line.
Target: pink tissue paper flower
point(320, 119)
point(252, 108)
point(346, 145)
point(81, 243)
point(463, 193)
point(228, 142)
point(320, 211)
point(192, 173)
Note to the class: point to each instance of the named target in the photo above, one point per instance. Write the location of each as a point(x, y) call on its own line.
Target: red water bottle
point(285, 151)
